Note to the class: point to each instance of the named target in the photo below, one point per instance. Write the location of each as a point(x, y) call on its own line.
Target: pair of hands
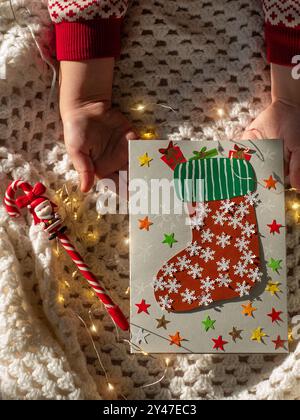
point(96, 136)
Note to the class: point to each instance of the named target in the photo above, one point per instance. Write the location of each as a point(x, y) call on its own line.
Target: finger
point(251, 134)
point(85, 167)
point(295, 169)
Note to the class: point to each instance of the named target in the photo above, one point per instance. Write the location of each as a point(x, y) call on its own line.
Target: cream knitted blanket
point(194, 56)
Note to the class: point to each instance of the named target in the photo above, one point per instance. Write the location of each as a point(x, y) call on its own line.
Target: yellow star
point(273, 288)
point(145, 160)
point(258, 335)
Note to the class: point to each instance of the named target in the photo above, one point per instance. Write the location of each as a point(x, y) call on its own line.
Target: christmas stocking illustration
point(222, 260)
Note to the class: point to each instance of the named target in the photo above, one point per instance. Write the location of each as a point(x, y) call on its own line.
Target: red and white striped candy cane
point(9, 199)
point(113, 310)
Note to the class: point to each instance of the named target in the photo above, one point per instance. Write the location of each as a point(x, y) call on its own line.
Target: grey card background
point(148, 254)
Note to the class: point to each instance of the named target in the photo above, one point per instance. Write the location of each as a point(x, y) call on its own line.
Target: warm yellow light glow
point(221, 112)
point(61, 299)
point(167, 360)
point(127, 291)
point(139, 108)
point(74, 274)
point(145, 353)
point(110, 387)
point(296, 205)
point(126, 240)
point(94, 328)
point(67, 284)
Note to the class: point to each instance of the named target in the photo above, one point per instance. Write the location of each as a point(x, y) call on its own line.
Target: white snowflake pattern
point(169, 270)
point(207, 285)
point(205, 299)
point(255, 275)
point(243, 289)
point(196, 222)
point(188, 296)
point(219, 218)
point(207, 236)
point(195, 271)
point(223, 264)
point(203, 210)
point(240, 269)
point(252, 199)
point(223, 240)
point(165, 302)
point(248, 229)
point(227, 206)
point(223, 280)
point(208, 254)
point(173, 286)
point(159, 284)
point(242, 210)
point(193, 249)
point(235, 221)
point(242, 244)
point(248, 257)
point(183, 263)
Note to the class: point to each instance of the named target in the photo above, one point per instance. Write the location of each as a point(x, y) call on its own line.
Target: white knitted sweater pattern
point(194, 57)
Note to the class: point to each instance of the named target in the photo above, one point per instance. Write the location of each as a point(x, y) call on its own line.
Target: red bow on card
point(169, 152)
point(27, 199)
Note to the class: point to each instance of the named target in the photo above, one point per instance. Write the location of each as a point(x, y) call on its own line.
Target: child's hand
point(96, 136)
point(281, 120)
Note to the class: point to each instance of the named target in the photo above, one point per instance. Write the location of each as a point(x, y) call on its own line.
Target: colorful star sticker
point(273, 288)
point(275, 316)
point(162, 322)
point(236, 334)
point(219, 343)
point(145, 224)
point(275, 227)
point(170, 239)
point(258, 335)
point(279, 343)
point(208, 324)
point(143, 307)
point(275, 265)
point(271, 183)
point(249, 310)
point(176, 339)
point(145, 160)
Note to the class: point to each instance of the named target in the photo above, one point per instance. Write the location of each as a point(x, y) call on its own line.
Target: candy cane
point(9, 199)
point(13, 210)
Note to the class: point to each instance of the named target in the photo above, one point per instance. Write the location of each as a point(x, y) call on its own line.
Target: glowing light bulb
point(94, 328)
point(221, 112)
point(126, 240)
point(167, 360)
point(110, 387)
point(127, 291)
point(61, 299)
point(145, 353)
point(140, 108)
point(67, 284)
point(296, 205)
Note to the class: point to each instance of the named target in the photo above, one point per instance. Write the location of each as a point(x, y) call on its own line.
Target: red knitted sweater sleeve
point(282, 29)
point(87, 29)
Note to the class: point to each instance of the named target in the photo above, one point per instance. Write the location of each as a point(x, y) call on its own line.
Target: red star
point(143, 307)
point(275, 316)
point(279, 344)
point(271, 183)
point(275, 227)
point(219, 343)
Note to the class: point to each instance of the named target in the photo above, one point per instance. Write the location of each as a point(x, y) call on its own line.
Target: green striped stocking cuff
point(214, 179)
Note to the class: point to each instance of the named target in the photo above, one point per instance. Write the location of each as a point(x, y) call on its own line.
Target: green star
point(170, 240)
point(275, 265)
point(208, 324)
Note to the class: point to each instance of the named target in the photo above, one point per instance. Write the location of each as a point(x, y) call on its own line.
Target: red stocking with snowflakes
point(222, 260)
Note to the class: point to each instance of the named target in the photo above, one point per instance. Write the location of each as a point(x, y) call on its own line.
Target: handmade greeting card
point(208, 248)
